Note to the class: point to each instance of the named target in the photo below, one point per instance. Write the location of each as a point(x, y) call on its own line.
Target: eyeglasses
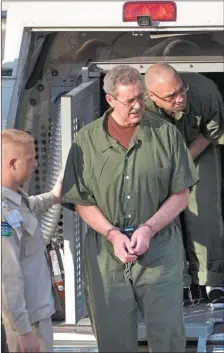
point(132, 101)
point(174, 95)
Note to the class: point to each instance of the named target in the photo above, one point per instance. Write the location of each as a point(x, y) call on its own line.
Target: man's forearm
point(198, 146)
point(41, 203)
point(94, 218)
point(170, 209)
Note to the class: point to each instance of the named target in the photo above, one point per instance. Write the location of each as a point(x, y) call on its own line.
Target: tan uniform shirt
point(26, 281)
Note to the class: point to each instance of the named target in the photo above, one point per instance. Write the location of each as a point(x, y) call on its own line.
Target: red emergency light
point(157, 10)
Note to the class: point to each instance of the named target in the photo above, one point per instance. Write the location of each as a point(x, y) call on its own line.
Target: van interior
point(54, 68)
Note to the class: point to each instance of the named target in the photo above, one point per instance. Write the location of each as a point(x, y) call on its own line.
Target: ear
point(12, 163)
point(110, 100)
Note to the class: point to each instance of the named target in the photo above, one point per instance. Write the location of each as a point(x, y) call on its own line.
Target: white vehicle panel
point(109, 14)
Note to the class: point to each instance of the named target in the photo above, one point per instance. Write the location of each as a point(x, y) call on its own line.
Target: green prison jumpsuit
point(129, 186)
point(203, 222)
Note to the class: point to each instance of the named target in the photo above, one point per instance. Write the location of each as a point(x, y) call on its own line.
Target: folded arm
point(198, 146)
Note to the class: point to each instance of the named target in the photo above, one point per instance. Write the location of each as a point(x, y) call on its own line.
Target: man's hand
point(140, 240)
point(29, 342)
point(56, 191)
point(122, 248)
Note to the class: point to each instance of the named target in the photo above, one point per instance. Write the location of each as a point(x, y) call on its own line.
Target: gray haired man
point(128, 177)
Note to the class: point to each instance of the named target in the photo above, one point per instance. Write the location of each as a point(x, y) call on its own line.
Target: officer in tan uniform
point(27, 301)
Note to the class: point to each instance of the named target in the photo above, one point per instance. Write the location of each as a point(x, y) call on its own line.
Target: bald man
point(27, 302)
point(194, 105)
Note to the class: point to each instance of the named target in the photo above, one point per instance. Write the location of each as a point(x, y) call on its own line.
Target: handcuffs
point(129, 230)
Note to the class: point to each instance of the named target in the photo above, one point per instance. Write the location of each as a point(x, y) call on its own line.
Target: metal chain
point(127, 270)
point(200, 298)
point(196, 301)
point(190, 298)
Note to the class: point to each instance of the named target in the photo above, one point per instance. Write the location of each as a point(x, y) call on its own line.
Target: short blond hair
point(16, 139)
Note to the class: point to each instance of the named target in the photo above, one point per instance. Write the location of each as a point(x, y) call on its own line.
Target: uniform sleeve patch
point(6, 230)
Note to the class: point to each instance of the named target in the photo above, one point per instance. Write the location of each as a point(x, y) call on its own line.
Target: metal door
point(78, 108)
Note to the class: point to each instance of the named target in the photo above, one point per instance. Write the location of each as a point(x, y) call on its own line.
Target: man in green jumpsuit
point(128, 177)
point(194, 105)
